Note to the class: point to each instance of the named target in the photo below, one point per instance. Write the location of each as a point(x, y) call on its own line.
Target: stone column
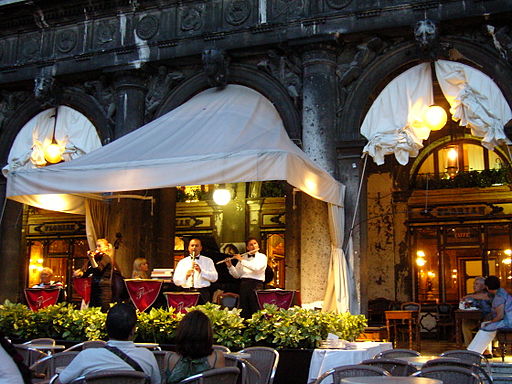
point(130, 92)
point(318, 123)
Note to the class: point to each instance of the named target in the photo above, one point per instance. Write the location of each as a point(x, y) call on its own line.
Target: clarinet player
point(196, 272)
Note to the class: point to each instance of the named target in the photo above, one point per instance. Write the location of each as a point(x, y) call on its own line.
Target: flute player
point(196, 272)
point(250, 269)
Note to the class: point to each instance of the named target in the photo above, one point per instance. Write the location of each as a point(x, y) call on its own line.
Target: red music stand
point(181, 300)
point(38, 298)
point(83, 287)
point(143, 292)
point(281, 298)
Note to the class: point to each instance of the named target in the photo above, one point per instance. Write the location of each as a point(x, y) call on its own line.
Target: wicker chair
point(113, 377)
point(30, 355)
point(221, 348)
point(396, 353)
point(161, 359)
point(470, 357)
point(448, 361)
point(227, 375)
point(450, 375)
point(265, 360)
point(45, 368)
point(42, 340)
point(339, 373)
point(394, 366)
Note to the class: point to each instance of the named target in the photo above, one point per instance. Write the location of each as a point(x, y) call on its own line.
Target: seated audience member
point(501, 316)
point(120, 352)
point(45, 279)
point(140, 268)
point(12, 368)
point(480, 299)
point(194, 340)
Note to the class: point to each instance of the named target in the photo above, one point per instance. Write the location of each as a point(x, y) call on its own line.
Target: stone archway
point(249, 77)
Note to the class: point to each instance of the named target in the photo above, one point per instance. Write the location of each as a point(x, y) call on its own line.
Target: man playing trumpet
point(196, 272)
point(250, 269)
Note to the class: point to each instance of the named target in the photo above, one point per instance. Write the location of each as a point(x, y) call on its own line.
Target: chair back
point(396, 353)
point(265, 360)
point(450, 375)
point(411, 306)
point(466, 355)
point(452, 361)
point(30, 355)
point(161, 358)
point(227, 375)
point(87, 344)
point(228, 300)
point(113, 377)
point(47, 366)
point(222, 348)
point(393, 366)
point(41, 340)
point(376, 309)
point(339, 373)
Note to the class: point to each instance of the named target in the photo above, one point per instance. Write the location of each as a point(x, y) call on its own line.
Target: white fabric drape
point(475, 101)
point(227, 136)
point(340, 287)
point(391, 124)
point(73, 130)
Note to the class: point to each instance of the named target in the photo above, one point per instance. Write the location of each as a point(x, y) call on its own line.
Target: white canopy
point(394, 125)
point(227, 136)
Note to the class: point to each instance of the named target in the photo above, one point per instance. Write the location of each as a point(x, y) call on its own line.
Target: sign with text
point(181, 300)
point(143, 292)
point(38, 298)
point(280, 298)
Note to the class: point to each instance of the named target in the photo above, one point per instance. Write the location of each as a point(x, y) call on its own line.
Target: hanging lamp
point(53, 151)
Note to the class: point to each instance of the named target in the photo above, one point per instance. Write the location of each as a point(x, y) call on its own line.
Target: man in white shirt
point(196, 272)
point(121, 320)
point(250, 269)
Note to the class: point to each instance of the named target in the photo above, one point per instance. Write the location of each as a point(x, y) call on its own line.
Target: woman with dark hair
point(194, 340)
point(501, 316)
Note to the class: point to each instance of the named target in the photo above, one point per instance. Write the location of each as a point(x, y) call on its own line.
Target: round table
point(389, 380)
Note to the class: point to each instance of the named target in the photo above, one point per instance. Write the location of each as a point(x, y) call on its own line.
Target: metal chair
point(395, 353)
point(469, 356)
point(87, 344)
point(30, 355)
point(450, 375)
point(265, 360)
point(161, 359)
point(448, 361)
point(41, 340)
point(227, 375)
point(113, 377)
point(46, 367)
point(221, 348)
point(339, 373)
point(393, 366)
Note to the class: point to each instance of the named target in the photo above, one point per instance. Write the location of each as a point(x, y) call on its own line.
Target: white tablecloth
point(325, 359)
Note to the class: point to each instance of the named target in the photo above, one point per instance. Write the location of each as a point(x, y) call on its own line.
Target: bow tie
point(251, 255)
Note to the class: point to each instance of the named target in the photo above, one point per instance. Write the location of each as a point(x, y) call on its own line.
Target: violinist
point(100, 267)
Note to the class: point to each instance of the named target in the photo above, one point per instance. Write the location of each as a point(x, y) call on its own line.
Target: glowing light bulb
point(435, 117)
point(221, 196)
point(53, 153)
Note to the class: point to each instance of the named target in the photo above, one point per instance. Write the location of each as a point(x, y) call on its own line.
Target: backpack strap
point(123, 356)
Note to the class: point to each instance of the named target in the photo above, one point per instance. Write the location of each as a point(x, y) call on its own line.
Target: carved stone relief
point(215, 65)
point(191, 19)
point(66, 40)
point(159, 86)
point(287, 9)
point(502, 40)
point(9, 102)
point(147, 27)
point(338, 4)
point(286, 69)
point(44, 88)
point(105, 33)
point(103, 92)
point(237, 11)
point(348, 71)
point(30, 47)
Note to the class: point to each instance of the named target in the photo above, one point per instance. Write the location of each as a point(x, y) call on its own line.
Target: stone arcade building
point(322, 63)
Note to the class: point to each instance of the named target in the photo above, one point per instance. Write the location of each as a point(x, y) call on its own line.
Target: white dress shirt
point(250, 267)
point(92, 360)
point(201, 279)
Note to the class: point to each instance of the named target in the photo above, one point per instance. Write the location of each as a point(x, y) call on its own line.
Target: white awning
point(219, 136)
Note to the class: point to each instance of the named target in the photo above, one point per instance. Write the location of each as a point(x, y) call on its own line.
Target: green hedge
point(279, 328)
